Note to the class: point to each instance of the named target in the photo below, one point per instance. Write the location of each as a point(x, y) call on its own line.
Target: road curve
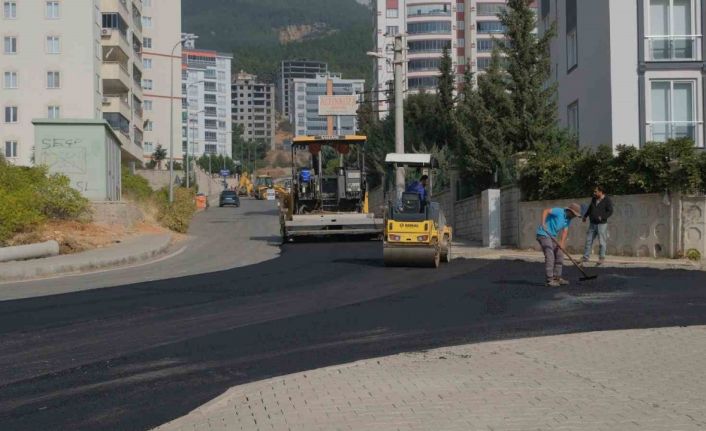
point(135, 356)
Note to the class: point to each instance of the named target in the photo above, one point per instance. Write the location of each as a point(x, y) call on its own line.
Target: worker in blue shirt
point(555, 223)
point(419, 187)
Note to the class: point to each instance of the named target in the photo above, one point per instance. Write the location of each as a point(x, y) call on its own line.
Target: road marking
point(100, 271)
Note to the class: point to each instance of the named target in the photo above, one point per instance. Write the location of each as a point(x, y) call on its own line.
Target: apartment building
point(161, 56)
point(206, 102)
point(629, 71)
point(469, 28)
point(293, 69)
point(75, 59)
point(304, 104)
point(253, 108)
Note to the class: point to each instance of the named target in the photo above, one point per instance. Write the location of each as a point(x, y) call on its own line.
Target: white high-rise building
point(469, 28)
point(304, 104)
point(78, 59)
point(629, 71)
point(162, 33)
point(254, 108)
point(206, 100)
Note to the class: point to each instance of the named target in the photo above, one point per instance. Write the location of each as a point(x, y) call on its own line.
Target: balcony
point(117, 105)
point(662, 131)
point(120, 6)
point(674, 48)
point(112, 37)
point(138, 137)
point(116, 77)
point(118, 122)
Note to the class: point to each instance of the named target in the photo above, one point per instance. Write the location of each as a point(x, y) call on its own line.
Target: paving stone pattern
point(643, 380)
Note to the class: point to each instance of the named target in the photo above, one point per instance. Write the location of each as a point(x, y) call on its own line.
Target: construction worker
point(420, 187)
point(555, 223)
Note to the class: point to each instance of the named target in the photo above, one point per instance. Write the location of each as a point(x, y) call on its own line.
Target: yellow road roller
point(416, 233)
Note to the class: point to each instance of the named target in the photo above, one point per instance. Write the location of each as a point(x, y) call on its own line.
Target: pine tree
point(445, 88)
point(528, 65)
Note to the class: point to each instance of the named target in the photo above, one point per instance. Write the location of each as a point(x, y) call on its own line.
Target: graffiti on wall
point(67, 156)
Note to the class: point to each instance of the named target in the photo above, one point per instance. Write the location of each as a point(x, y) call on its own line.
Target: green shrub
point(693, 254)
point(655, 168)
point(135, 186)
point(177, 216)
point(29, 196)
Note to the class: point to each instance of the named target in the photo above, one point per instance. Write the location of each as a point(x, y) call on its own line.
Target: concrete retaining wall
point(158, 179)
point(117, 213)
point(693, 224)
point(510, 215)
point(642, 225)
point(468, 222)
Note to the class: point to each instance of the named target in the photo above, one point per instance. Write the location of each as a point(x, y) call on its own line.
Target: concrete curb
point(460, 250)
point(131, 251)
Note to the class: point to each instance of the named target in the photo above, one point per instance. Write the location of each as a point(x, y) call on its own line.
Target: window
point(147, 21)
point(490, 9)
point(9, 9)
point(211, 136)
point(571, 51)
point(53, 80)
point(673, 110)
point(11, 114)
point(10, 80)
point(10, 45)
point(147, 3)
point(147, 42)
point(490, 27)
point(430, 27)
point(392, 30)
point(147, 63)
point(572, 118)
point(429, 10)
point(147, 84)
point(148, 147)
point(435, 45)
point(486, 45)
point(53, 112)
point(52, 10)
point(424, 64)
point(671, 32)
point(149, 125)
point(10, 149)
point(53, 45)
point(392, 13)
point(147, 105)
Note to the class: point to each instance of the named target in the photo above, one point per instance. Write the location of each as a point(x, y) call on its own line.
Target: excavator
point(264, 188)
point(245, 187)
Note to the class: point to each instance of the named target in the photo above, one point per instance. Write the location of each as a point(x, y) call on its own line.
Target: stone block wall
point(123, 213)
point(510, 216)
point(642, 225)
point(693, 224)
point(468, 222)
point(158, 178)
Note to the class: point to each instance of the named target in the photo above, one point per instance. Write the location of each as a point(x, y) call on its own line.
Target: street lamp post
point(399, 60)
point(183, 40)
point(188, 127)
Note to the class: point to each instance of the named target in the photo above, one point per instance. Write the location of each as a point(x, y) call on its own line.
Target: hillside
point(260, 33)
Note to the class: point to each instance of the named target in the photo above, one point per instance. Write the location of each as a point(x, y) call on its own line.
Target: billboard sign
point(338, 105)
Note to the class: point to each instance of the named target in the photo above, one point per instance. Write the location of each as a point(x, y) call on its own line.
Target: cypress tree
point(528, 65)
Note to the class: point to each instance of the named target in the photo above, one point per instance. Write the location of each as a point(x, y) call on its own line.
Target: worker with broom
point(555, 223)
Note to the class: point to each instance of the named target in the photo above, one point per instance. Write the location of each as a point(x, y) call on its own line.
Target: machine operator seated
point(420, 189)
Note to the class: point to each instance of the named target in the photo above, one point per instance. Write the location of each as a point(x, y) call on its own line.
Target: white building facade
point(629, 71)
point(206, 103)
point(293, 69)
point(162, 34)
point(253, 108)
point(304, 104)
point(70, 60)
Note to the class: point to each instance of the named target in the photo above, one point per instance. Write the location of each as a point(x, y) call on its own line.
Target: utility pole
point(399, 61)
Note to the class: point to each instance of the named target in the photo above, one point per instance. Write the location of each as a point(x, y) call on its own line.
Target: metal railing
point(662, 131)
point(673, 47)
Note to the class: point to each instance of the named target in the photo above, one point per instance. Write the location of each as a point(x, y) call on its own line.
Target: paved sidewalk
point(132, 250)
point(653, 379)
point(470, 250)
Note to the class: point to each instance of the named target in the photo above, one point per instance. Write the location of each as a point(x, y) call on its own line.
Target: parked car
point(229, 197)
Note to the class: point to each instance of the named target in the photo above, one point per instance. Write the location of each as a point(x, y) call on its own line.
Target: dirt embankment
point(299, 33)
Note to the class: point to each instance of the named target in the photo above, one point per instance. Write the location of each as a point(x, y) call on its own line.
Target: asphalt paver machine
point(416, 232)
point(321, 204)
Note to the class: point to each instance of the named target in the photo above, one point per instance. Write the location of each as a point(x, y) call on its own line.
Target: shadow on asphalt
point(147, 378)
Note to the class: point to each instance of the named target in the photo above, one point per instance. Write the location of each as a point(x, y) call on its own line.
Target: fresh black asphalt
point(136, 356)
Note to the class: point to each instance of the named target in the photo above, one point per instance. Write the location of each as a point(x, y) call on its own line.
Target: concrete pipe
point(32, 251)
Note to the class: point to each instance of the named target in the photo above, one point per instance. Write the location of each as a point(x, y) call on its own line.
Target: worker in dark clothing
point(420, 187)
point(598, 213)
